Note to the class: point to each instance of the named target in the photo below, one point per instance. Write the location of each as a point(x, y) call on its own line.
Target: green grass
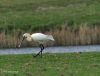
point(68, 64)
point(45, 14)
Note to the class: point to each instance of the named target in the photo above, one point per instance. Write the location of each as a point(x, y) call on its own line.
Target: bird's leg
point(37, 54)
point(42, 47)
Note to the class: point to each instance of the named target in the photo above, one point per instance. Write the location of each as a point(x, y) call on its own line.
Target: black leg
point(37, 54)
point(42, 48)
point(40, 52)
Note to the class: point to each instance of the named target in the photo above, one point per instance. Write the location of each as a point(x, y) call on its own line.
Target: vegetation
point(78, 19)
point(64, 36)
point(35, 15)
point(69, 64)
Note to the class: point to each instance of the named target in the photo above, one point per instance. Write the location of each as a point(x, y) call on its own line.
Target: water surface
point(59, 49)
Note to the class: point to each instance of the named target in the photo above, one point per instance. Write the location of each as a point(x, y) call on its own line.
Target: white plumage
point(41, 38)
point(38, 37)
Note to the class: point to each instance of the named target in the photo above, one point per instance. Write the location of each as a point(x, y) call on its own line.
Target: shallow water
point(59, 49)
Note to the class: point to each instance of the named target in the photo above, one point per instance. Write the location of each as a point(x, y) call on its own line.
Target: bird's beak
point(21, 42)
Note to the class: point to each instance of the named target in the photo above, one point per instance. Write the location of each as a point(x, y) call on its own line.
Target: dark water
point(67, 49)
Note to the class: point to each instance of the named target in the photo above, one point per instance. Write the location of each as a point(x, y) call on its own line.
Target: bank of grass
point(67, 64)
point(35, 15)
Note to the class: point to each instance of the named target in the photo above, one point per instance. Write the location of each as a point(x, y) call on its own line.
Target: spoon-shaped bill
point(21, 42)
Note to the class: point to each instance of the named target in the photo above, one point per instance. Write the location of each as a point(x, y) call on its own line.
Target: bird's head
point(26, 35)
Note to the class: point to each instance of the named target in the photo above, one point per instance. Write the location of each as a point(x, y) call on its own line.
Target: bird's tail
point(51, 37)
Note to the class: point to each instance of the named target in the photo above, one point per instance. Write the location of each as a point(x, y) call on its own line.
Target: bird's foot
point(35, 55)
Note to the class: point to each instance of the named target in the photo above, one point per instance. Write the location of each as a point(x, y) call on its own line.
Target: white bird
point(37, 37)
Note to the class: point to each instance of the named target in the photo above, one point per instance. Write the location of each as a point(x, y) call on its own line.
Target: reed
point(83, 35)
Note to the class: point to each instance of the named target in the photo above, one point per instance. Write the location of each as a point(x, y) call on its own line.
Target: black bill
point(21, 42)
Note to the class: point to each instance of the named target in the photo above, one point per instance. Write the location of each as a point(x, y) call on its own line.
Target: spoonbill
point(37, 37)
